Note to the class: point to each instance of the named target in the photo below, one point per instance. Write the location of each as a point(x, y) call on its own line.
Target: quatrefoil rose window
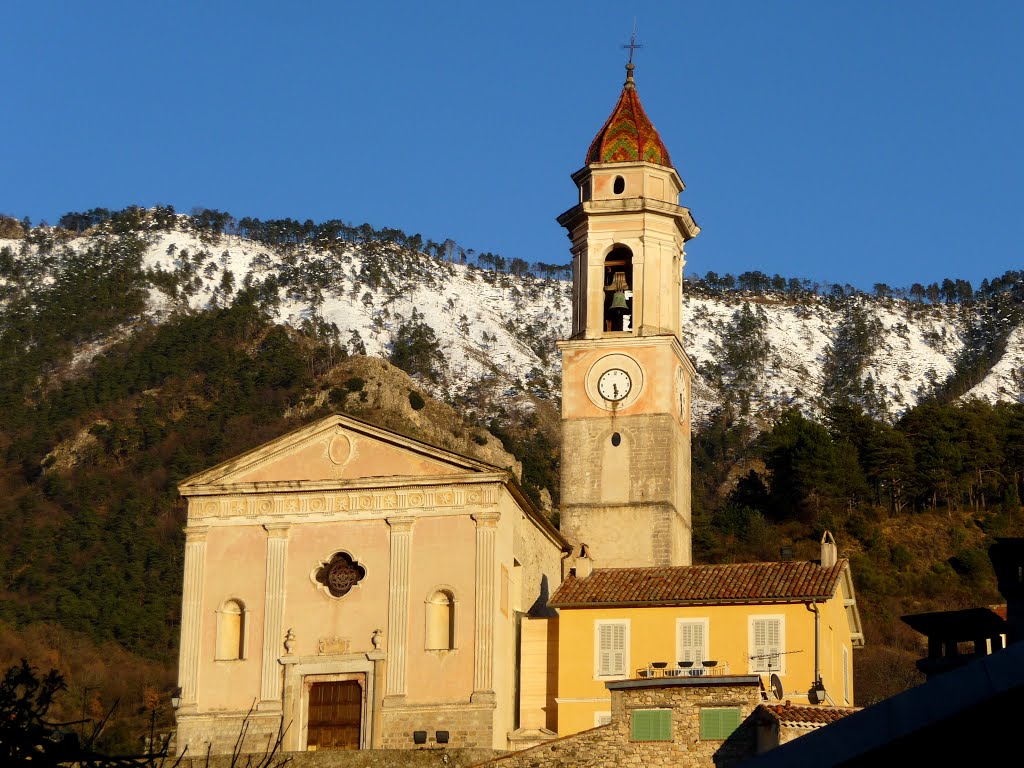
point(340, 574)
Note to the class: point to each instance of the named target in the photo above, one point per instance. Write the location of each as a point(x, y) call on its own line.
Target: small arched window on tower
point(618, 289)
point(231, 631)
point(440, 615)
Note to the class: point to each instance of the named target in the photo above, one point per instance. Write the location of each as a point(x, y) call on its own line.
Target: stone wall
point(219, 732)
point(468, 725)
point(599, 505)
point(612, 745)
point(366, 758)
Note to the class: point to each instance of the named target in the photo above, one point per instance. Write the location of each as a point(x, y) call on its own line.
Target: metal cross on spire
point(633, 44)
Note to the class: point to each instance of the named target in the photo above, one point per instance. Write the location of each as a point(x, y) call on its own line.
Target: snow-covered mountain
point(776, 351)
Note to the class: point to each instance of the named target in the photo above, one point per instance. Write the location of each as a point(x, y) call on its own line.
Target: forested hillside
point(140, 346)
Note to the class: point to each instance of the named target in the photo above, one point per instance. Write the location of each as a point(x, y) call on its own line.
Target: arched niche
point(618, 289)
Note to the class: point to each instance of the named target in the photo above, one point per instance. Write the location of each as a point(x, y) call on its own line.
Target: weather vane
point(633, 44)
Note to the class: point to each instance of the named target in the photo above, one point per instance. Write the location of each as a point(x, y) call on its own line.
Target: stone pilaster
point(191, 615)
point(273, 615)
point(483, 650)
point(398, 604)
point(376, 734)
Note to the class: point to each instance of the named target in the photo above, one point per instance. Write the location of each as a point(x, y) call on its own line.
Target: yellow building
point(794, 624)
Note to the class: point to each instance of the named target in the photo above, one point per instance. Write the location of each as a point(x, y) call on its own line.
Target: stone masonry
point(469, 725)
point(610, 746)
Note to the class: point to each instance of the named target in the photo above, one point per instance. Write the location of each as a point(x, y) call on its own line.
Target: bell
point(618, 300)
point(618, 283)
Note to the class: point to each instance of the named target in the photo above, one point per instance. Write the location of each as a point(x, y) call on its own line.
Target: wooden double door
point(335, 715)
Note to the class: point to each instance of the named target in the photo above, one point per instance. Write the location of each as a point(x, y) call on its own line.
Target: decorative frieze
point(347, 504)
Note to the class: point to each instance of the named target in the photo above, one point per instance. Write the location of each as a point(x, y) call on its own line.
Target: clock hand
point(615, 389)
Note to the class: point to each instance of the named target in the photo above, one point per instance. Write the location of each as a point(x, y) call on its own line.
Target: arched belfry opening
point(618, 289)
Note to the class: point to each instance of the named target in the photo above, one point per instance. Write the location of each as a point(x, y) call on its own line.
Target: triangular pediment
point(335, 449)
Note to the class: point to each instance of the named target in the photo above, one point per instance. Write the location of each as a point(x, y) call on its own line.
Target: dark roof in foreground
point(746, 582)
point(966, 716)
point(965, 624)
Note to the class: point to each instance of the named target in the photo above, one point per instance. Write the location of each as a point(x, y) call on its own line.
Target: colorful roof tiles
point(628, 135)
point(747, 582)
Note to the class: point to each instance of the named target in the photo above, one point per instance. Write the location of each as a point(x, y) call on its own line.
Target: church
point(348, 587)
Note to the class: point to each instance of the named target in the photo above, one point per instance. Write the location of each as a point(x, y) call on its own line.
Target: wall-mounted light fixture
point(176, 698)
point(817, 693)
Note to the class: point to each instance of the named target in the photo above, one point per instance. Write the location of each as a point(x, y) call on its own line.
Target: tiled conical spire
point(628, 135)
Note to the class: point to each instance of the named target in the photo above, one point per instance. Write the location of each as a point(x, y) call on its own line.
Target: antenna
point(633, 44)
point(772, 655)
point(776, 686)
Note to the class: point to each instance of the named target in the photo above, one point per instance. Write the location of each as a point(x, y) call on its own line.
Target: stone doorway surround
point(300, 672)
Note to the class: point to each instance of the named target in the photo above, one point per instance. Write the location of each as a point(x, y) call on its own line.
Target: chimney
point(584, 565)
point(829, 551)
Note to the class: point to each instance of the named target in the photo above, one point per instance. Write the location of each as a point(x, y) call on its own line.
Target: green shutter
point(652, 725)
point(718, 724)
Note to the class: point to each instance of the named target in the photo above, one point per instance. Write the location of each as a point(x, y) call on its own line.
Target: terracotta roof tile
point(787, 714)
point(628, 135)
point(765, 582)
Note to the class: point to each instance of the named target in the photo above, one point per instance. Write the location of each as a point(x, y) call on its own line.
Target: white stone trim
point(273, 614)
point(486, 575)
point(301, 671)
point(355, 504)
point(192, 615)
point(398, 603)
point(585, 700)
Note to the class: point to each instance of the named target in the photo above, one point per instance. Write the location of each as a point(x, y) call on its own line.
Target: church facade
point(354, 587)
point(349, 587)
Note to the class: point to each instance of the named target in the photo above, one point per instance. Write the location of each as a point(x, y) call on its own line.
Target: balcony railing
point(683, 669)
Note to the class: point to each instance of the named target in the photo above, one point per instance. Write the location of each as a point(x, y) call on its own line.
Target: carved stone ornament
point(333, 645)
point(340, 574)
point(289, 641)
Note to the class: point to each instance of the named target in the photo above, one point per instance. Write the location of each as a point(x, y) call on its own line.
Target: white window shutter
point(611, 651)
point(692, 646)
point(767, 644)
point(619, 649)
point(604, 665)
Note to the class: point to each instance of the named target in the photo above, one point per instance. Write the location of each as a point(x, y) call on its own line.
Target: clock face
point(681, 392)
point(614, 384)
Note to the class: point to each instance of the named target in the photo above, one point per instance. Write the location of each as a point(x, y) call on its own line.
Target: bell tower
point(625, 377)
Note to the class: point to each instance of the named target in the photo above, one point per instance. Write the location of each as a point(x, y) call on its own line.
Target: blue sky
point(843, 142)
